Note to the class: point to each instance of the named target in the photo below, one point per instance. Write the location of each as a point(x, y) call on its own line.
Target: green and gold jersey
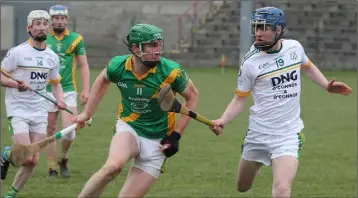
point(67, 48)
point(138, 105)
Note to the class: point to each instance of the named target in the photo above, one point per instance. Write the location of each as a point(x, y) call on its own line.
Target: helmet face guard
point(157, 41)
point(149, 39)
point(263, 18)
point(59, 24)
point(38, 25)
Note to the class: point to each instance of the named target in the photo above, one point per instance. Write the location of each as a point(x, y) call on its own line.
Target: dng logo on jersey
point(38, 75)
point(284, 78)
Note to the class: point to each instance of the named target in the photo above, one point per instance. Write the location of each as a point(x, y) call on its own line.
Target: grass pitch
point(206, 165)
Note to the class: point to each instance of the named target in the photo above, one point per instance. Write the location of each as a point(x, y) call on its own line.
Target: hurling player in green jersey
point(70, 48)
point(143, 131)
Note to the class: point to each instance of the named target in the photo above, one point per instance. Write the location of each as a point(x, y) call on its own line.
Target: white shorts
point(70, 99)
point(150, 158)
point(36, 124)
point(263, 148)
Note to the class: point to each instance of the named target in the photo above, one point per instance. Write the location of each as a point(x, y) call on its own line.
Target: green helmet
point(144, 33)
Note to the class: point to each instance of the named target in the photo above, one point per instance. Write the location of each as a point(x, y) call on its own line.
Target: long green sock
point(12, 192)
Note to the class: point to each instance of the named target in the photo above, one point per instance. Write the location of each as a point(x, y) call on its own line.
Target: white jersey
point(35, 68)
point(275, 82)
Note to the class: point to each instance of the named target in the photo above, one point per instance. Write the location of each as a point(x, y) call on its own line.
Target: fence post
point(74, 24)
point(195, 7)
point(180, 30)
point(16, 31)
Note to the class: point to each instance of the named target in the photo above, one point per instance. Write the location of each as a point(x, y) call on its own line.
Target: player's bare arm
point(7, 82)
point(171, 142)
point(58, 93)
point(191, 96)
point(99, 88)
point(237, 104)
point(316, 75)
point(85, 77)
point(234, 108)
point(10, 83)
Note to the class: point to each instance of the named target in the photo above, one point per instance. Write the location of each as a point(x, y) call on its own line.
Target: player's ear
point(279, 29)
point(134, 48)
point(28, 28)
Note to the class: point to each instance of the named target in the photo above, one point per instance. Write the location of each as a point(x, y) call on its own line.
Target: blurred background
point(198, 33)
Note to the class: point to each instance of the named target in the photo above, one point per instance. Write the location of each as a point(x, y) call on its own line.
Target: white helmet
point(37, 14)
point(58, 10)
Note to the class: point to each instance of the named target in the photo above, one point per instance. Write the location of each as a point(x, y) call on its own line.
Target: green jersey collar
point(65, 33)
point(129, 67)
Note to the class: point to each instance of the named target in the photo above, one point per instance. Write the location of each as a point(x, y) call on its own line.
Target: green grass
point(206, 165)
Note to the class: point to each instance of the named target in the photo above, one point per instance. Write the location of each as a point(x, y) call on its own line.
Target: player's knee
point(245, 179)
point(112, 170)
point(70, 136)
point(31, 161)
point(51, 128)
point(28, 161)
point(242, 187)
point(34, 161)
point(279, 188)
point(243, 184)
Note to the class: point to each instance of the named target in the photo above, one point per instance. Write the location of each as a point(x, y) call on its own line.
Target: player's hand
point(338, 87)
point(80, 120)
point(61, 105)
point(84, 97)
point(170, 144)
point(218, 126)
point(21, 86)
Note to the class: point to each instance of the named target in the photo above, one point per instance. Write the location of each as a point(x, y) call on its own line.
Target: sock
point(52, 163)
point(12, 192)
point(63, 155)
point(6, 154)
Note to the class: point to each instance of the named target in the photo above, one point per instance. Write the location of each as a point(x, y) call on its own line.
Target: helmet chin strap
point(148, 64)
point(264, 46)
point(39, 38)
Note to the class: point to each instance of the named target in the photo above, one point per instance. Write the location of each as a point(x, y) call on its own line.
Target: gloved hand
point(170, 144)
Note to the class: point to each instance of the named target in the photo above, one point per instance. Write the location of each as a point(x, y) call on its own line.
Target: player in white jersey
point(32, 64)
point(271, 72)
